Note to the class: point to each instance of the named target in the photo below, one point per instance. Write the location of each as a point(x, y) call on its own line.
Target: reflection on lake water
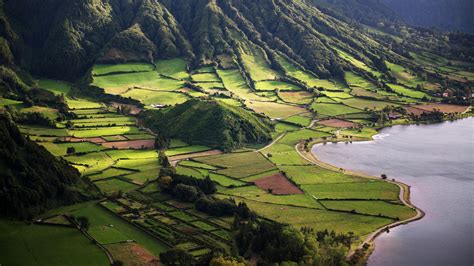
point(437, 161)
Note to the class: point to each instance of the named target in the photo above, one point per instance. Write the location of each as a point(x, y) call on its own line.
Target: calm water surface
point(438, 162)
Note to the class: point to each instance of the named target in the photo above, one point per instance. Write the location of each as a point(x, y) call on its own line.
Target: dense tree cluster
point(31, 179)
point(209, 123)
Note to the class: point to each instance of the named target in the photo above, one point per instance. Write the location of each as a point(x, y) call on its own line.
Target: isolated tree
point(70, 150)
point(83, 222)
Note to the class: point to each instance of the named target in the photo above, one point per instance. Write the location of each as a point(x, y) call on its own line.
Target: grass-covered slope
point(211, 123)
point(31, 179)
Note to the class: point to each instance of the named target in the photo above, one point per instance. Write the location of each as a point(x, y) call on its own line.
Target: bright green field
point(114, 185)
point(102, 69)
point(82, 104)
point(106, 131)
point(60, 149)
point(357, 63)
point(283, 154)
point(185, 150)
point(355, 80)
point(294, 137)
point(117, 84)
point(255, 63)
point(175, 68)
point(361, 103)
point(337, 94)
point(329, 109)
point(358, 190)
point(371, 207)
point(110, 172)
point(235, 83)
point(156, 97)
point(205, 77)
point(46, 111)
point(407, 92)
point(22, 244)
point(100, 221)
point(319, 219)
point(311, 174)
point(5, 102)
point(240, 164)
point(299, 120)
point(271, 85)
point(275, 110)
point(55, 86)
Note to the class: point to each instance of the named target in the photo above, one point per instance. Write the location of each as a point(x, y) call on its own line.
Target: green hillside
point(210, 123)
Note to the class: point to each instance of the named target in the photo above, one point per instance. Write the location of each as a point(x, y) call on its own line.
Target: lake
point(437, 161)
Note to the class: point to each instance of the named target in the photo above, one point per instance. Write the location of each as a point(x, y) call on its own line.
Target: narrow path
point(404, 198)
point(272, 143)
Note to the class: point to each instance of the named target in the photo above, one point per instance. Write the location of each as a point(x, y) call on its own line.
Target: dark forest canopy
point(31, 179)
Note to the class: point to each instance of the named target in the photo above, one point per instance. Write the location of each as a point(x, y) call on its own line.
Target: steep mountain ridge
point(62, 39)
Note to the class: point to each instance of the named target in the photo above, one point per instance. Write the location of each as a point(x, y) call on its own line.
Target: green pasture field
point(119, 83)
point(189, 171)
point(275, 110)
point(304, 76)
point(337, 94)
point(113, 206)
point(94, 162)
point(55, 86)
point(205, 77)
point(93, 112)
point(329, 109)
point(148, 97)
point(104, 69)
point(238, 165)
point(371, 207)
point(114, 185)
point(186, 150)
point(354, 80)
point(271, 85)
point(319, 220)
point(404, 76)
point(177, 143)
point(357, 63)
point(109, 120)
point(106, 131)
point(44, 131)
point(195, 164)
point(230, 101)
point(300, 97)
point(324, 100)
point(60, 149)
point(82, 104)
point(407, 92)
point(256, 194)
point(206, 69)
point(137, 164)
point(358, 190)
point(4, 102)
point(235, 83)
point(204, 226)
point(260, 175)
point(219, 178)
point(139, 136)
point(132, 154)
point(378, 95)
point(181, 215)
point(283, 154)
point(295, 137)
point(110, 172)
point(100, 220)
point(22, 244)
point(46, 111)
point(301, 120)
point(175, 68)
point(211, 87)
point(144, 176)
point(312, 174)
point(284, 127)
point(255, 63)
point(361, 103)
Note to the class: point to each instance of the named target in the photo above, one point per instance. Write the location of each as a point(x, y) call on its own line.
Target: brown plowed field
point(337, 123)
point(279, 185)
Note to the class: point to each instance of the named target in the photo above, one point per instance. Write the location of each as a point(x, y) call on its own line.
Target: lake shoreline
point(362, 250)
